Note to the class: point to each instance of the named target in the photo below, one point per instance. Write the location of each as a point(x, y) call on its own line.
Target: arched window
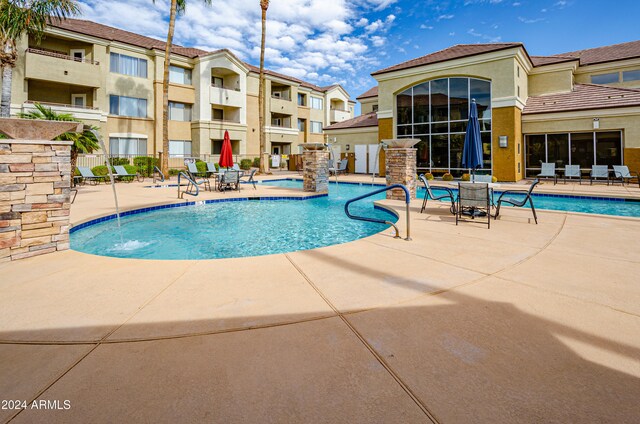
point(436, 112)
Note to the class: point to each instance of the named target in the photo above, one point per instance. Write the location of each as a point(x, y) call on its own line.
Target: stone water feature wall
point(400, 164)
point(35, 179)
point(316, 168)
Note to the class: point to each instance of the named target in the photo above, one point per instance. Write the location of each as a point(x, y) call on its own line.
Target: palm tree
point(84, 142)
point(264, 5)
point(177, 7)
point(19, 17)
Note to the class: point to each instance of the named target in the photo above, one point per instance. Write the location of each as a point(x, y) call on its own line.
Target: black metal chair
point(429, 194)
point(518, 202)
point(474, 200)
point(198, 181)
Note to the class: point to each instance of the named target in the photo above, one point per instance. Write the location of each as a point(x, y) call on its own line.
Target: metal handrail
point(380, 221)
point(157, 170)
point(191, 183)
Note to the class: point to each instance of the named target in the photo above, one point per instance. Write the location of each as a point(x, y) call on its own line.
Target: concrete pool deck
point(519, 323)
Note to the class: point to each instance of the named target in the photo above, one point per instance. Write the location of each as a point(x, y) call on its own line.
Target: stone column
point(400, 166)
point(316, 168)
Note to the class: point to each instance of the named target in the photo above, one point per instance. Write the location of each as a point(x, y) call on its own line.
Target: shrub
point(201, 165)
point(119, 161)
point(466, 177)
point(245, 164)
point(174, 171)
point(101, 170)
point(447, 177)
point(428, 176)
point(256, 162)
point(145, 164)
point(494, 180)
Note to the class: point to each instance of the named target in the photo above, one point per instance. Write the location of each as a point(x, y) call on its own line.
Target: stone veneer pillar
point(35, 180)
point(316, 168)
point(400, 166)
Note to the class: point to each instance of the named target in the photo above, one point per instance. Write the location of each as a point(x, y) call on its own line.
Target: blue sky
point(339, 41)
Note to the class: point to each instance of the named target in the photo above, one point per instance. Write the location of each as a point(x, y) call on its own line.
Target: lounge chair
point(235, 167)
point(473, 200)
point(193, 170)
point(249, 178)
point(549, 171)
point(518, 202)
point(571, 171)
point(122, 174)
point(621, 172)
point(229, 180)
point(599, 171)
point(87, 175)
point(341, 169)
point(429, 194)
point(211, 169)
point(197, 178)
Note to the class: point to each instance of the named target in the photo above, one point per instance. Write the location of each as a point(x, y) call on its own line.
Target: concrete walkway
point(519, 323)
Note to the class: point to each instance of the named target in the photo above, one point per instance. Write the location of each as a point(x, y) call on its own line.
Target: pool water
point(236, 229)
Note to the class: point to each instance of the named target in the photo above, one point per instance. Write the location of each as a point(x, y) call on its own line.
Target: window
point(217, 115)
point(374, 108)
point(216, 147)
point(179, 112)
point(77, 54)
point(120, 146)
point(179, 148)
point(437, 112)
point(302, 99)
point(217, 82)
point(78, 100)
point(128, 65)
point(631, 75)
point(605, 78)
point(316, 103)
point(316, 127)
point(179, 75)
point(518, 71)
point(584, 149)
point(127, 106)
point(302, 125)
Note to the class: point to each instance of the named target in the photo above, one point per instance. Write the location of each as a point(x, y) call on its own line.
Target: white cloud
point(529, 21)
point(445, 17)
point(378, 41)
point(423, 26)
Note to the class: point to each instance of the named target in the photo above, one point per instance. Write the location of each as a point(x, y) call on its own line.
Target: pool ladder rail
point(190, 186)
point(157, 170)
point(381, 221)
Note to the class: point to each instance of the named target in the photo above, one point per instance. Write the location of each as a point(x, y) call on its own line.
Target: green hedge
point(145, 164)
point(119, 161)
point(256, 162)
point(246, 164)
point(201, 165)
point(101, 170)
point(174, 171)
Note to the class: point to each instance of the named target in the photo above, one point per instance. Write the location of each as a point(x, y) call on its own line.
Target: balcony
point(226, 97)
point(52, 66)
point(339, 115)
point(84, 113)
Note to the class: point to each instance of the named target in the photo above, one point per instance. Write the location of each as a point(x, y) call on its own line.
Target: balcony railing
point(280, 97)
point(59, 55)
point(226, 88)
point(55, 105)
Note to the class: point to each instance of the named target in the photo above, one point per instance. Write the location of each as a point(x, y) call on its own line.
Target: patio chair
point(341, 169)
point(229, 180)
point(571, 171)
point(473, 200)
point(518, 202)
point(549, 171)
point(193, 170)
point(235, 167)
point(429, 194)
point(197, 179)
point(122, 174)
point(211, 169)
point(249, 178)
point(599, 171)
point(621, 172)
point(87, 175)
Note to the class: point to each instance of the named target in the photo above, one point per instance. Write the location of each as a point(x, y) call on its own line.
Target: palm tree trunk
point(165, 90)
point(74, 160)
point(7, 77)
point(261, 100)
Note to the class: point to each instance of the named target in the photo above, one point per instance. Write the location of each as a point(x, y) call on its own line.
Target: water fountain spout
point(113, 186)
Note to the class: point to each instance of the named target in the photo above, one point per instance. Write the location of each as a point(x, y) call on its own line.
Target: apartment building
point(112, 79)
point(580, 108)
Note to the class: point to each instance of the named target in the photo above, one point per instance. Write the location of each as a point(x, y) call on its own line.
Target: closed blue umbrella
point(472, 149)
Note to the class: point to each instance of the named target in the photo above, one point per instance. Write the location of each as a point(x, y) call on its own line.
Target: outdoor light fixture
point(596, 123)
point(503, 140)
point(347, 147)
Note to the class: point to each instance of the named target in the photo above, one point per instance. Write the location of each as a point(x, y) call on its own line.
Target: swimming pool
point(234, 228)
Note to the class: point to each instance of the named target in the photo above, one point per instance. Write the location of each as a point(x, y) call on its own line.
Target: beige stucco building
point(112, 79)
point(573, 108)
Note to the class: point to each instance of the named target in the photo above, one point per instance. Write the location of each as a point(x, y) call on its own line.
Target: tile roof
point(603, 54)
point(583, 97)
point(362, 121)
point(455, 52)
point(372, 92)
point(549, 60)
point(94, 29)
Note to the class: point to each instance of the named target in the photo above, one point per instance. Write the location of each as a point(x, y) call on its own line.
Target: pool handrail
point(191, 183)
point(381, 221)
point(157, 170)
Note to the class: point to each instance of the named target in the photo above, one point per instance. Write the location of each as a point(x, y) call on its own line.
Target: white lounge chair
point(622, 173)
point(572, 171)
point(599, 171)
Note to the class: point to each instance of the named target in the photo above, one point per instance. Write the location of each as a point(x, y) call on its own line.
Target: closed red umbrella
point(226, 155)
